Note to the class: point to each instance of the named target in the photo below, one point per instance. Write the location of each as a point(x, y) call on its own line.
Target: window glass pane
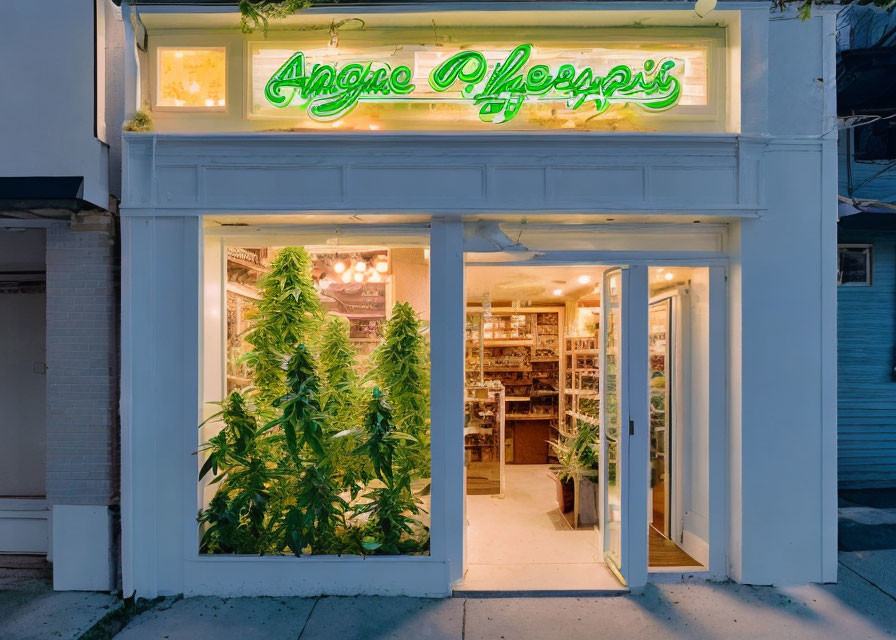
point(323, 444)
point(854, 265)
point(191, 77)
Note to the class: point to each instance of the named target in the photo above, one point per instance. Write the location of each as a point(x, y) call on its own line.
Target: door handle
point(631, 427)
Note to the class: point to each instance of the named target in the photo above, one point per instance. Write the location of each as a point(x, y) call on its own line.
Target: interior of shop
point(534, 345)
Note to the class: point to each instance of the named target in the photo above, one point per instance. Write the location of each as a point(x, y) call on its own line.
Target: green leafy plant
point(288, 314)
point(401, 367)
point(344, 401)
point(255, 14)
point(391, 503)
point(311, 521)
point(577, 454)
point(328, 448)
point(238, 459)
point(140, 121)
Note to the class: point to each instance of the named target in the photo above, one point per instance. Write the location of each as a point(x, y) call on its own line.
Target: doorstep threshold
point(460, 592)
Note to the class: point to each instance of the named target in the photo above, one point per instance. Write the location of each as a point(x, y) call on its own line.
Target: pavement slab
point(31, 610)
point(877, 567)
point(851, 609)
point(210, 618)
point(382, 618)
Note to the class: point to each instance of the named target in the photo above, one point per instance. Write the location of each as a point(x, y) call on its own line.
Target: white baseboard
point(24, 525)
point(695, 547)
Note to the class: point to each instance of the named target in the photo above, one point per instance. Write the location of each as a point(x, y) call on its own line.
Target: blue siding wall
point(866, 320)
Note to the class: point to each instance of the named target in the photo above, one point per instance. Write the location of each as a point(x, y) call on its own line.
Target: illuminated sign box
point(612, 83)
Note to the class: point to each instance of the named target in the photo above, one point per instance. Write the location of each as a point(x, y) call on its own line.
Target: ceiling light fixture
point(669, 275)
point(339, 267)
point(583, 279)
point(346, 277)
point(360, 266)
point(558, 292)
point(359, 277)
point(382, 265)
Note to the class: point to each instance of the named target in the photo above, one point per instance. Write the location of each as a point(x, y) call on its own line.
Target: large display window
point(320, 443)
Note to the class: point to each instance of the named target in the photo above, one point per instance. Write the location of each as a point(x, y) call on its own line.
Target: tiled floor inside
point(521, 542)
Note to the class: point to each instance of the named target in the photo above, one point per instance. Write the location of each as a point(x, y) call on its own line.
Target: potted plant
point(577, 462)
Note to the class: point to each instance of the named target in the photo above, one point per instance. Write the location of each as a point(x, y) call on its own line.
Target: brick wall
point(82, 364)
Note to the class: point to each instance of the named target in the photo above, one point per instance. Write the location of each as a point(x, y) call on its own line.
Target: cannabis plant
point(312, 520)
point(390, 503)
point(344, 401)
point(288, 314)
point(236, 519)
point(401, 367)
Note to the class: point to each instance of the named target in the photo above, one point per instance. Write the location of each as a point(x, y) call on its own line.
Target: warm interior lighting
point(339, 267)
point(359, 277)
point(382, 266)
point(360, 266)
point(375, 277)
point(191, 77)
point(583, 279)
point(346, 277)
point(426, 254)
point(558, 292)
point(669, 275)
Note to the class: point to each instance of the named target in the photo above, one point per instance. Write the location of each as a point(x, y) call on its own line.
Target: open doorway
point(542, 369)
point(531, 432)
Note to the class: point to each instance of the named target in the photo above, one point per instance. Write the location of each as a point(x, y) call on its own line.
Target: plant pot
point(587, 502)
point(566, 494)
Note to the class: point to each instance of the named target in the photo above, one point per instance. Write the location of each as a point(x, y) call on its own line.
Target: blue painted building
point(866, 298)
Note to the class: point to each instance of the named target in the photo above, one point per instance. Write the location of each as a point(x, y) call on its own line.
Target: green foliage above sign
point(500, 90)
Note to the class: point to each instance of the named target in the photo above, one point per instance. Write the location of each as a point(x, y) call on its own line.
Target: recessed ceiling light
point(669, 275)
point(583, 279)
point(558, 292)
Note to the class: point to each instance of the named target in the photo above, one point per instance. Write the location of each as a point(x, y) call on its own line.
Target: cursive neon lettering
point(328, 93)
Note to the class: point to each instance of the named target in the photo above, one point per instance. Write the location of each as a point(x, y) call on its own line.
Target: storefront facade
point(710, 150)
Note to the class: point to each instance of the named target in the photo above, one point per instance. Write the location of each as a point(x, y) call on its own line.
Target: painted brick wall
point(82, 366)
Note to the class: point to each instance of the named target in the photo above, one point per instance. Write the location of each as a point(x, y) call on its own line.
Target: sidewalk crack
point(308, 617)
point(883, 591)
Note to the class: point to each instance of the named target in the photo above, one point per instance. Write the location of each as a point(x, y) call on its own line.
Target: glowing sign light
point(328, 93)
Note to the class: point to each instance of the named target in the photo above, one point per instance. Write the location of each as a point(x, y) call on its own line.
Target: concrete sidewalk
point(851, 609)
point(31, 610)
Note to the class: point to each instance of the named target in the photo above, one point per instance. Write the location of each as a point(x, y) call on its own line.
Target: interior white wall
point(695, 428)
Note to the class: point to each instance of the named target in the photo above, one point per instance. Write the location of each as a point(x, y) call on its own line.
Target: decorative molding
point(710, 174)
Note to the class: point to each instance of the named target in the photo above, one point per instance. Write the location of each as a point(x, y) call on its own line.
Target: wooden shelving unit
point(523, 350)
point(582, 382)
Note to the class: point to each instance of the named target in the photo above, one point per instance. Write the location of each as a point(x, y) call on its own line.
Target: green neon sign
point(328, 93)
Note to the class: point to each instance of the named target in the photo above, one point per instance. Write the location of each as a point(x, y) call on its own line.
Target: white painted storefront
point(749, 194)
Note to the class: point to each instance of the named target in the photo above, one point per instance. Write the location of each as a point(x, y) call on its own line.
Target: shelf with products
point(582, 380)
point(521, 349)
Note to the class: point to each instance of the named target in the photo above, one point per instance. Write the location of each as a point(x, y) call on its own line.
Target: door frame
point(635, 562)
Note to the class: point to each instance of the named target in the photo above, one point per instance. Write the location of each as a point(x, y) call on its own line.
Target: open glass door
point(624, 424)
point(612, 447)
